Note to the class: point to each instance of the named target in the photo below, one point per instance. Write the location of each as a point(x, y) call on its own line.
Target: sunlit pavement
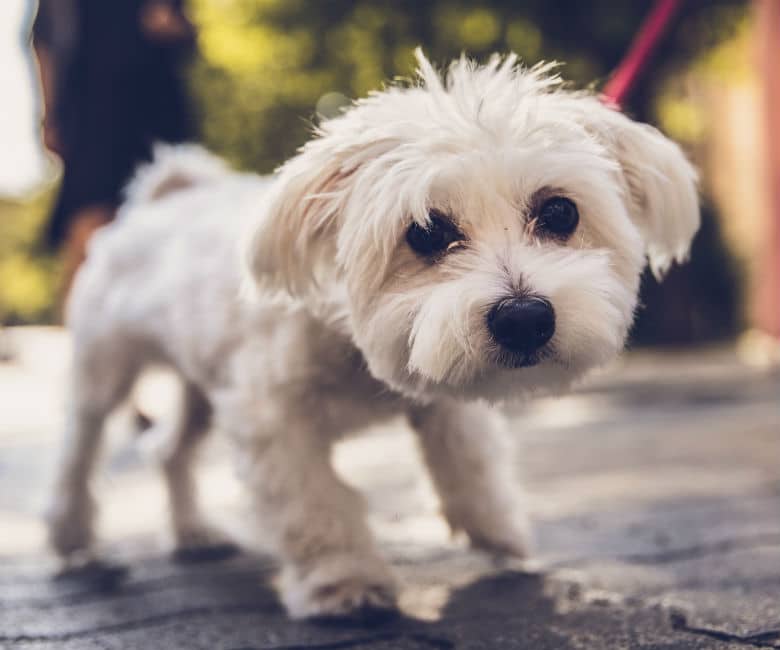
point(655, 492)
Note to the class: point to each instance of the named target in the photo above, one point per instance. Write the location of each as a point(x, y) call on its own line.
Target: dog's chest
point(347, 398)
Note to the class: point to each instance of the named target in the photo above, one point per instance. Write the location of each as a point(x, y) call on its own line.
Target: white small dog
point(455, 242)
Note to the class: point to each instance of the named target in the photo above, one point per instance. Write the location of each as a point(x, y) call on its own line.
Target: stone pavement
point(655, 492)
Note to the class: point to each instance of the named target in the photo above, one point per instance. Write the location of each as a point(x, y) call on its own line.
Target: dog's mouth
point(524, 361)
point(515, 360)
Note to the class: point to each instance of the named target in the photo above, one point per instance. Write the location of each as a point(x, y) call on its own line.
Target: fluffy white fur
point(349, 325)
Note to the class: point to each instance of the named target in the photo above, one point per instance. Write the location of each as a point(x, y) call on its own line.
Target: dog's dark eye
point(434, 239)
point(558, 216)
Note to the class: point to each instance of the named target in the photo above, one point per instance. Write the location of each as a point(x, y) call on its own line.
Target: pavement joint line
point(139, 587)
point(141, 623)
point(764, 639)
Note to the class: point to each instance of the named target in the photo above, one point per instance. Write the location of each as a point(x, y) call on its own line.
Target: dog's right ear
point(293, 244)
point(293, 240)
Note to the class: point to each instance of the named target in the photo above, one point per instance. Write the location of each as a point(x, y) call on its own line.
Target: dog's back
point(170, 256)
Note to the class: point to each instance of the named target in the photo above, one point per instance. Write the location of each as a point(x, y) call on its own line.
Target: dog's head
point(485, 231)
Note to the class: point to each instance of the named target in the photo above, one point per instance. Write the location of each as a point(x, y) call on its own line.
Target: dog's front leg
point(471, 460)
point(331, 566)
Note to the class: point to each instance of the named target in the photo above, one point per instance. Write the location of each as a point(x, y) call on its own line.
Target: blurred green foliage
point(265, 64)
point(268, 66)
point(28, 275)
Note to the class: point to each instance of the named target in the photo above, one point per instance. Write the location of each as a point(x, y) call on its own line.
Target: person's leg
point(47, 71)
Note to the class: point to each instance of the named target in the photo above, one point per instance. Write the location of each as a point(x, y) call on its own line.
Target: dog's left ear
point(661, 185)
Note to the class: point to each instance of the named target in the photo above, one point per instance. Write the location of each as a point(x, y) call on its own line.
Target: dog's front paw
point(343, 586)
point(507, 536)
point(507, 545)
point(70, 523)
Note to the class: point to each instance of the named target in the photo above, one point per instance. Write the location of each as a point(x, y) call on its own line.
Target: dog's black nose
point(522, 325)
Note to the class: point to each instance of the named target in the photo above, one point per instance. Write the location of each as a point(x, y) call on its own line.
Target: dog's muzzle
point(522, 325)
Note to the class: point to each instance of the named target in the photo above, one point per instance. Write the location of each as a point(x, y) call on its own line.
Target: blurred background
point(248, 77)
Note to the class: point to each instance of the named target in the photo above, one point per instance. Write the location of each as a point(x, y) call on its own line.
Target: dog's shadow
point(234, 601)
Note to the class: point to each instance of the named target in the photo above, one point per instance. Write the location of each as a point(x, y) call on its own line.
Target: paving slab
point(654, 489)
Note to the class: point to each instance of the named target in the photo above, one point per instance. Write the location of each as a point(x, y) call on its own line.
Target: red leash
point(642, 47)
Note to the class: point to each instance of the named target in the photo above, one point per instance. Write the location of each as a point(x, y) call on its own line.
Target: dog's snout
point(522, 325)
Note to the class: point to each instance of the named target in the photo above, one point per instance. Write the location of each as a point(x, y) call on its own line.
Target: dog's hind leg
point(103, 373)
point(469, 455)
point(195, 540)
